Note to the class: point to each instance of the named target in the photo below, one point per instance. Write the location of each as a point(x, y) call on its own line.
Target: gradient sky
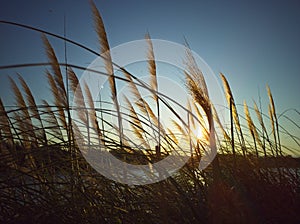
point(253, 43)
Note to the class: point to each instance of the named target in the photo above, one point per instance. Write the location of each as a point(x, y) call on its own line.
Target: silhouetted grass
point(45, 178)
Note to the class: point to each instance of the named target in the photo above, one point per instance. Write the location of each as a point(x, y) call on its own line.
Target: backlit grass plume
point(45, 178)
point(105, 53)
point(196, 84)
point(252, 129)
point(35, 113)
point(272, 113)
point(26, 127)
point(234, 113)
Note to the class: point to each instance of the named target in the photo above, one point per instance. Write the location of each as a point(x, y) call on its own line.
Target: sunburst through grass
point(45, 177)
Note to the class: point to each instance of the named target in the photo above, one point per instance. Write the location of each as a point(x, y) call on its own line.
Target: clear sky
point(253, 43)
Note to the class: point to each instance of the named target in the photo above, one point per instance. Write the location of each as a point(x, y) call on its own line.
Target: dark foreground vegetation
point(51, 191)
point(45, 179)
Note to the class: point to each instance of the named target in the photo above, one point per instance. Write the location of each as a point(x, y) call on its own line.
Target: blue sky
point(253, 43)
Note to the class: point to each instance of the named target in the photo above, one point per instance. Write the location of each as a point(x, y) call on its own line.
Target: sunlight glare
point(199, 134)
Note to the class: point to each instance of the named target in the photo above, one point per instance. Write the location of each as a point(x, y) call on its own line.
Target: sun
point(199, 134)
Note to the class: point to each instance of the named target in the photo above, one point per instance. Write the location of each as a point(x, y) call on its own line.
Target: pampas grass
point(6, 133)
point(153, 83)
point(272, 114)
point(252, 129)
point(196, 84)
point(233, 113)
point(45, 179)
point(264, 130)
point(105, 52)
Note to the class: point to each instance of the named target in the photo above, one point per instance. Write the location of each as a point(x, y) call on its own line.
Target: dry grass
point(44, 178)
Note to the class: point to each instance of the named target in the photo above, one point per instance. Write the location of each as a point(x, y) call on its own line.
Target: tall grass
point(105, 52)
point(45, 178)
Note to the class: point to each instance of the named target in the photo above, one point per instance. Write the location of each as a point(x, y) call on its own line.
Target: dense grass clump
point(44, 177)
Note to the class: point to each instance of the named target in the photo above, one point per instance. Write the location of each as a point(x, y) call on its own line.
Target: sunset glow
point(200, 134)
point(149, 111)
